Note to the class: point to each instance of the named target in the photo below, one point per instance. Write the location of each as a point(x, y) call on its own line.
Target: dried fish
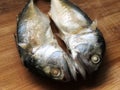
point(80, 34)
point(38, 47)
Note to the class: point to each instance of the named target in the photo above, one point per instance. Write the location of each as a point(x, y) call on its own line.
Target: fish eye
point(95, 59)
point(55, 72)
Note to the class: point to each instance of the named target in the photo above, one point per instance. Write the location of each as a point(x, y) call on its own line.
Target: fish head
point(56, 67)
point(90, 53)
point(52, 62)
point(90, 60)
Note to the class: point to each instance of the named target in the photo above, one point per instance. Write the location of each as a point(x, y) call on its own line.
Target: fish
point(39, 49)
point(80, 34)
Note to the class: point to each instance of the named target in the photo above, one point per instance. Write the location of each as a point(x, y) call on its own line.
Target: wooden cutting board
point(14, 76)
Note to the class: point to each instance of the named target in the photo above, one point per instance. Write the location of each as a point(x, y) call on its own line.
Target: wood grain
point(14, 76)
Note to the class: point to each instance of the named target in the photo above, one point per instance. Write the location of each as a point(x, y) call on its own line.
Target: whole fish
point(80, 35)
point(38, 47)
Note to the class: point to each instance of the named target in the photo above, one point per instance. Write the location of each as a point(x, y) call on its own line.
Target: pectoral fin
point(22, 45)
point(93, 26)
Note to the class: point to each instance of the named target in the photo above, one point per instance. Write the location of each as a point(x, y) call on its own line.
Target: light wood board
point(14, 76)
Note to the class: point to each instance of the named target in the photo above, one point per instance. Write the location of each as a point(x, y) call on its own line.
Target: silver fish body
point(38, 47)
point(80, 34)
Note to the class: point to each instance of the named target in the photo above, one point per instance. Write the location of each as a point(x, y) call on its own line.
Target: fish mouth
point(75, 67)
point(71, 68)
point(79, 65)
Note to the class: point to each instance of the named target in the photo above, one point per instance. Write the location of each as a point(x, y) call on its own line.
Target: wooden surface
point(14, 76)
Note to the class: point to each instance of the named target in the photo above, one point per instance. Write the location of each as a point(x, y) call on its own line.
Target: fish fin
point(93, 26)
point(23, 45)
